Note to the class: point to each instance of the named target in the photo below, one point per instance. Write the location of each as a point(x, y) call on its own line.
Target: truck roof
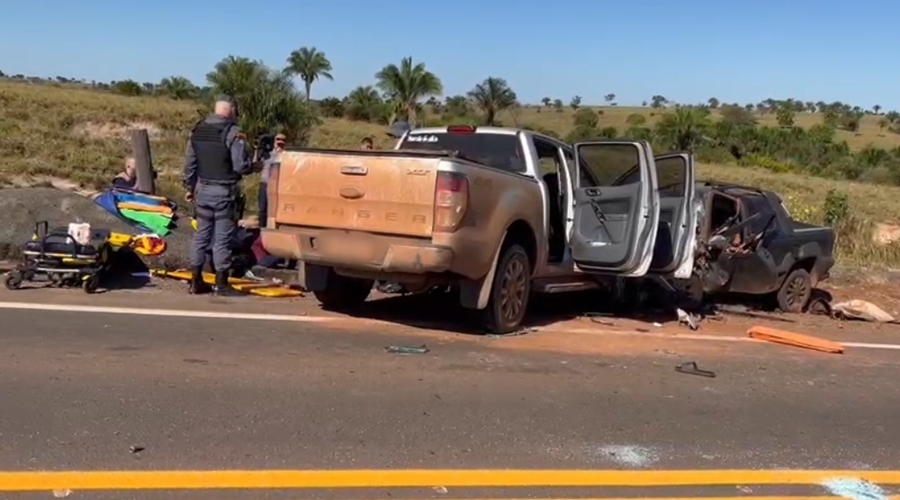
point(488, 130)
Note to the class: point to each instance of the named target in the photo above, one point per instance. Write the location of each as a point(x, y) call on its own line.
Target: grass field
point(80, 135)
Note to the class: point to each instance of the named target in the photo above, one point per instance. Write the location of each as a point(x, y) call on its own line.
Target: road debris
point(691, 368)
point(136, 449)
point(688, 319)
point(855, 489)
point(597, 317)
point(61, 493)
point(440, 490)
point(630, 455)
point(520, 331)
point(861, 310)
point(820, 306)
point(406, 350)
point(794, 339)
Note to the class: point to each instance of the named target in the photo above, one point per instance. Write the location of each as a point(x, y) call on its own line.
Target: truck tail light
point(451, 199)
point(461, 129)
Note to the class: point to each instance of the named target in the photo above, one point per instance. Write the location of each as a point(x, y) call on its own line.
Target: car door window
point(611, 165)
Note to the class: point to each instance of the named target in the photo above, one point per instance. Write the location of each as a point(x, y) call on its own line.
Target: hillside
point(53, 132)
point(869, 133)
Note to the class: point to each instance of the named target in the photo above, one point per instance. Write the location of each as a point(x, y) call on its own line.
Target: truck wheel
point(795, 292)
point(343, 293)
point(509, 291)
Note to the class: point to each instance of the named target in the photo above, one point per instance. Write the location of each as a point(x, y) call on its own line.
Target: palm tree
point(492, 96)
point(267, 99)
point(177, 87)
point(309, 64)
point(235, 76)
point(363, 103)
point(685, 128)
point(406, 84)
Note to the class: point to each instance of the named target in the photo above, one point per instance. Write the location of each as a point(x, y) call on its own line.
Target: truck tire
point(510, 291)
point(343, 293)
point(795, 292)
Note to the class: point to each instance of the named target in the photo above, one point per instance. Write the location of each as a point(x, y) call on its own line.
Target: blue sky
point(688, 50)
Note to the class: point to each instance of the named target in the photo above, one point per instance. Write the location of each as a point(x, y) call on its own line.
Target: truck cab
point(497, 213)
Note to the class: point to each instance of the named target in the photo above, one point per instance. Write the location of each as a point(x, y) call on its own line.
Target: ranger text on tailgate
point(497, 213)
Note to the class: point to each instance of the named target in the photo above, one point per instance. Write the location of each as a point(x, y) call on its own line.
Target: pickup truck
point(749, 244)
point(495, 213)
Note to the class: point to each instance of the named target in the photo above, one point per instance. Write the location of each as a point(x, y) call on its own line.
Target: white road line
point(698, 336)
point(175, 313)
point(181, 313)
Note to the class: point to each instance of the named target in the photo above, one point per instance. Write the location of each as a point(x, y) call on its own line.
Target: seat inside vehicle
point(557, 237)
point(671, 176)
point(550, 164)
point(723, 210)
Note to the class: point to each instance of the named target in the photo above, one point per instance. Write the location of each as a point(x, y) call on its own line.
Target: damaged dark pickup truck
point(749, 244)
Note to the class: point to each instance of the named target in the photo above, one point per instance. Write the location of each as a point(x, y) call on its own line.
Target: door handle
point(592, 192)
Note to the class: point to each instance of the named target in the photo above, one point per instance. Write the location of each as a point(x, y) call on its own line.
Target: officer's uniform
point(215, 162)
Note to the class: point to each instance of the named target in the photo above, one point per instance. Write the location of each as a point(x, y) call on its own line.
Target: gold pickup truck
point(497, 213)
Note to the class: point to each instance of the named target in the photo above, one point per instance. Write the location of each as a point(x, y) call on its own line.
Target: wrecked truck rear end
point(366, 211)
point(380, 193)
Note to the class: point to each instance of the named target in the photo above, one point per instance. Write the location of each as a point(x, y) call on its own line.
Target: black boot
point(223, 289)
point(198, 286)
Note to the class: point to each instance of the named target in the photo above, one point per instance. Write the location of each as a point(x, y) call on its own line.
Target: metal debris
point(691, 368)
point(136, 449)
point(401, 349)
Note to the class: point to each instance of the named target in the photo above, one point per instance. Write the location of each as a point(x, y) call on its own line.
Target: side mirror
point(717, 242)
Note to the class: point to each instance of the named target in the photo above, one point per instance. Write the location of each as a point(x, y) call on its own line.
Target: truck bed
point(387, 192)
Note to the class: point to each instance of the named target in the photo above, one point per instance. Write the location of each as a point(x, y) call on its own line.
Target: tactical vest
point(213, 154)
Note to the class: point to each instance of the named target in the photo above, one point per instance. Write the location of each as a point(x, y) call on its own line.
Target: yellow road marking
point(744, 497)
point(287, 479)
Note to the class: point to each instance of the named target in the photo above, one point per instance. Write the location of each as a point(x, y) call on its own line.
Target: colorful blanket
point(150, 213)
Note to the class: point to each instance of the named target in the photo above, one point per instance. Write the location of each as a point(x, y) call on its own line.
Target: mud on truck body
point(496, 213)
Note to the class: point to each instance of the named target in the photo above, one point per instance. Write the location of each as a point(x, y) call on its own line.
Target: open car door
point(673, 253)
point(616, 215)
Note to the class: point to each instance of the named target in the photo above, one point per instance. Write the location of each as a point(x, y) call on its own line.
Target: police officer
point(215, 162)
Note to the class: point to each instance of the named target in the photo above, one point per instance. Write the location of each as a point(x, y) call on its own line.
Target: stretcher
point(54, 256)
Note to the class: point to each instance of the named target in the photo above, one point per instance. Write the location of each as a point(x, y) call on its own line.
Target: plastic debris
point(794, 339)
point(861, 310)
point(688, 319)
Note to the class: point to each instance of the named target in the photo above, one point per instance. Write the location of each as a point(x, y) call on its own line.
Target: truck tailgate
point(379, 193)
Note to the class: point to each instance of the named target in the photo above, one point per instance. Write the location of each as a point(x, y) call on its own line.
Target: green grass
point(58, 132)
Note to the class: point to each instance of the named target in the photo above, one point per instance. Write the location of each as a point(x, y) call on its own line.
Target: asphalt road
point(82, 391)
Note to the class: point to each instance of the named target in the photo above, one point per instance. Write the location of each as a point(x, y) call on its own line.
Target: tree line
point(408, 91)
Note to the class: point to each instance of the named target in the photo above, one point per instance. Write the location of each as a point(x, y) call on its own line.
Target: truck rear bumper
point(362, 251)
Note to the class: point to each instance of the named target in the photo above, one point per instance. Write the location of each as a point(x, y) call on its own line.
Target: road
point(83, 391)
